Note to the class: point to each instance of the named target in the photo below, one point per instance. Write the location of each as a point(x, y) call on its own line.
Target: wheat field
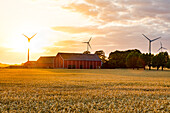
point(87, 91)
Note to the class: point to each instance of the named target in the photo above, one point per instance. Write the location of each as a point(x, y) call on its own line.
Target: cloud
point(102, 31)
point(81, 29)
point(82, 8)
point(120, 23)
point(107, 11)
point(97, 43)
point(64, 46)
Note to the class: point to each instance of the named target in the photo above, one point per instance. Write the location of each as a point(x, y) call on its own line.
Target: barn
point(77, 61)
point(30, 64)
point(46, 62)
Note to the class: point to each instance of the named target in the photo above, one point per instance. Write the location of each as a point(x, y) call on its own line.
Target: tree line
point(134, 59)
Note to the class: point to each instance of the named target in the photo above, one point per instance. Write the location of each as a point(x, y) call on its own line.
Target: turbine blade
point(146, 37)
point(159, 49)
point(161, 44)
point(155, 39)
point(84, 42)
point(25, 36)
point(164, 48)
point(33, 36)
point(89, 46)
point(90, 39)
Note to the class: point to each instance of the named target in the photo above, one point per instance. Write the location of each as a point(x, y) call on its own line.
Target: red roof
point(79, 56)
point(46, 59)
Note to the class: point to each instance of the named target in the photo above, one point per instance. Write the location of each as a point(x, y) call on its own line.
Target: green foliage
point(101, 55)
point(148, 58)
point(155, 62)
point(168, 64)
point(142, 61)
point(132, 59)
point(160, 59)
point(86, 52)
point(117, 59)
point(135, 59)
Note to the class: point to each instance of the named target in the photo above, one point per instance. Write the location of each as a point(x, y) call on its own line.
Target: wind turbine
point(29, 39)
point(88, 44)
point(161, 47)
point(150, 41)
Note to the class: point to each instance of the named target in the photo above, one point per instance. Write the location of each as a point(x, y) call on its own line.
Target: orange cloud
point(65, 46)
point(121, 11)
point(79, 29)
point(82, 8)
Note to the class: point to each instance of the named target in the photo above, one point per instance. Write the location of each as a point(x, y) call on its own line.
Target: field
point(61, 90)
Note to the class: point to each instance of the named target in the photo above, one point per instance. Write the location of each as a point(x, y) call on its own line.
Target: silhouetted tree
point(141, 63)
point(145, 60)
point(148, 60)
point(106, 65)
point(155, 63)
point(168, 64)
point(117, 59)
point(164, 57)
point(160, 60)
point(132, 60)
point(86, 52)
point(101, 55)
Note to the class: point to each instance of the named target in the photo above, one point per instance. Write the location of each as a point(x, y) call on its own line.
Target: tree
point(106, 65)
point(160, 60)
point(132, 60)
point(149, 59)
point(117, 59)
point(145, 60)
point(164, 59)
point(155, 62)
point(168, 64)
point(101, 55)
point(142, 61)
point(86, 52)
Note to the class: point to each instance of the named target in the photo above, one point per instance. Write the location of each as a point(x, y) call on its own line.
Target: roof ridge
point(76, 53)
point(80, 56)
point(47, 56)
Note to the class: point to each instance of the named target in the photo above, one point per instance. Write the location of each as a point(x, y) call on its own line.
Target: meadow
point(63, 90)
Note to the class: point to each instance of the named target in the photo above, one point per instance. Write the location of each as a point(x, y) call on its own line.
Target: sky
point(62, 26)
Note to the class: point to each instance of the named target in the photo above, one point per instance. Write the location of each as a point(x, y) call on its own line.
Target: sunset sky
point(62, 26)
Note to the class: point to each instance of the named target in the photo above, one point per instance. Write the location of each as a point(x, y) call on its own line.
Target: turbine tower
point(161, 47)
point(150, 41)
point(29, 39)
point(88, 44)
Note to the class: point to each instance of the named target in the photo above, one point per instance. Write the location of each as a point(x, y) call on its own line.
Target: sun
point(19, 43)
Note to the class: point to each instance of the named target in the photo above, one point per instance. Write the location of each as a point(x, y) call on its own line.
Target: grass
point(62, 90)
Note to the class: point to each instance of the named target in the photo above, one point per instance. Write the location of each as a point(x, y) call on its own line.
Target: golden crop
point(61, 90)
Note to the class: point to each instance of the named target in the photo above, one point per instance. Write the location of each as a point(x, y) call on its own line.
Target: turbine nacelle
point(88, 44)
point(29, 39)
point(161, 47)
point(150, 41)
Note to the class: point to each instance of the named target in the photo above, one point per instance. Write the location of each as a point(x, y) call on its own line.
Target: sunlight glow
point(61, 25)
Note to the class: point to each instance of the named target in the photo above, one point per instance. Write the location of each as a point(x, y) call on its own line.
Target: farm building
point(67, 61)
point(30, 64)
point(46, 62)
point(77, 61)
